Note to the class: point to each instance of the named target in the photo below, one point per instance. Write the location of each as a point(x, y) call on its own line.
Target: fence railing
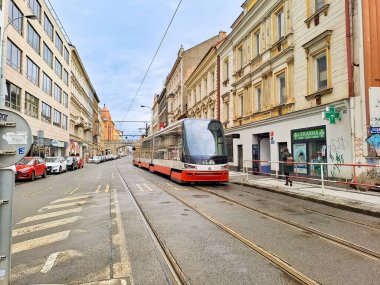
point(363, 176)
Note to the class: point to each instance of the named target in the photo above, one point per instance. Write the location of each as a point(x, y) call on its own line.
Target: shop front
point(309, 145)
point(46, 147)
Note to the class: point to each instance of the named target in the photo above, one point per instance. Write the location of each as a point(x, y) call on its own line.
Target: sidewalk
point(352, 200)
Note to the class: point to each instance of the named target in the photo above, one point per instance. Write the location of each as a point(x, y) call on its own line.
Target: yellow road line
point(98, 188)
point(107, 188)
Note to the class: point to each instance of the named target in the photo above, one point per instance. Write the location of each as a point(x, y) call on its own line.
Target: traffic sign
point(15, 138)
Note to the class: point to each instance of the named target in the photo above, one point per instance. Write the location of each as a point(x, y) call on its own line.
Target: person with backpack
point(287, 158)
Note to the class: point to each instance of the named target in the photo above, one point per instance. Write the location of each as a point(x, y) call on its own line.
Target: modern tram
point(190, 150)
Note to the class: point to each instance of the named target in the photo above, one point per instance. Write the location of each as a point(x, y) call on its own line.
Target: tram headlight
point(190, 166)
point(225, 166)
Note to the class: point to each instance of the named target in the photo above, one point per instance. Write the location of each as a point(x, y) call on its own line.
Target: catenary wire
point(154, 57)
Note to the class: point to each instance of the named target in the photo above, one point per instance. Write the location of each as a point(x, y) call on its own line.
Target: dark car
point(30, 168)
point(72, 163)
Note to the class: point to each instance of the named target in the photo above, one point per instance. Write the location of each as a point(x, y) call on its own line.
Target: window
point(32, 71)
point(281, 85)
point(46, 84)
point(258, 98)
point(65, 99)
point(48, 55)
point(14, 13)
point(65, 77)
point(31, 105)
point(13, 96)
point(66, 55)
point(14, 56)
point(240, 57)
point(225, 69)
point(212, 81)
point(57, 93)
point(280, 26)
point(226, 109)
point(58, 43)
point(46, 113)
point(205, 87)
point(321, 70)
point(57, 118)
point(241, 105)
point(35, 7)
point(48, 27)
point(64, 122)
point(256, 43)
point(318, 4)
point(58, 68)
point(33, 38)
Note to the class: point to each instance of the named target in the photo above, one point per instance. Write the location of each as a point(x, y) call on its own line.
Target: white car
point(56, 164)
point(96, 159)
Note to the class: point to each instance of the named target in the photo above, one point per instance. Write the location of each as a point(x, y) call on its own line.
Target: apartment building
point(83, 103)
point(185, 64)
point(283, 63)
point(203, 98)
point(36, 68)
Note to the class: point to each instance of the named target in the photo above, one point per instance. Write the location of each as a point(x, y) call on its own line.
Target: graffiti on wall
point(373, 145)
point(337, 149)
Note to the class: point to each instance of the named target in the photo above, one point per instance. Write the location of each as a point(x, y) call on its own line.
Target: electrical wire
point(154, 57)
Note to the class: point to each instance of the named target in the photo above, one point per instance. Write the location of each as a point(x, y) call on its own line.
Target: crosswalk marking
point(49, 215)
point(70, 199)
point(44, 226)
point(38, 242)
point(49, 263)
point(62, 206)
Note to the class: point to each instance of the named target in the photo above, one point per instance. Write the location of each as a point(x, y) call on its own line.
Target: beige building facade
point(36, 68)
point(82, 106)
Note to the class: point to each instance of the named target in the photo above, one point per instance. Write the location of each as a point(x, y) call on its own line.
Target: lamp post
point(2, 78)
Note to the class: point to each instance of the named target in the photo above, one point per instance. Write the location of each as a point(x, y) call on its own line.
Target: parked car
point(96, 159)
point(72, 163)
point(30, 168)
point(56, 164)
point(80, 162)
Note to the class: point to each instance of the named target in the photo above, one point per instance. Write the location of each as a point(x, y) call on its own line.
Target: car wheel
point(33, 177)
point(45, 174)
point(60, 170)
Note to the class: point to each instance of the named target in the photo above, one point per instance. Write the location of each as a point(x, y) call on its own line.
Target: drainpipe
point(218, 87)
point(349, 49)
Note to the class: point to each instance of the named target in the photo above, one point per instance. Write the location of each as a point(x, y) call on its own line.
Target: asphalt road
point(84, 227)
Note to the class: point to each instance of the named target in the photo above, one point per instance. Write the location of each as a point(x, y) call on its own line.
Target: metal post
point(323, 182)
point(6, 192)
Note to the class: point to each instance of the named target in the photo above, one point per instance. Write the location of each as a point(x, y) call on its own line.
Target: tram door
point(255, 156)
point(240, 158)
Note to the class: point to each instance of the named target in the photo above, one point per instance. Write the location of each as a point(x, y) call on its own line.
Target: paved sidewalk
point(353, 200)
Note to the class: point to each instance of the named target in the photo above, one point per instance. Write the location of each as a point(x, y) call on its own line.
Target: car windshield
point(26, 161)
point(52, 159)
point(70, 159)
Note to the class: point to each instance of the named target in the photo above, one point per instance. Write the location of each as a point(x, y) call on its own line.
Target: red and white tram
point(190, 150)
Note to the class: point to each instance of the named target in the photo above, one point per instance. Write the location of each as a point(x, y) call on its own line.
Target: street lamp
point(143, 106)
point(2, 78)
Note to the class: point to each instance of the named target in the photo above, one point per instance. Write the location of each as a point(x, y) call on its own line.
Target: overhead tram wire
point(154, 57)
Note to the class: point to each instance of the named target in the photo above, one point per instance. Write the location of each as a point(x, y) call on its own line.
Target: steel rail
point(171, 268)
point(340, 241)
point(294, 273)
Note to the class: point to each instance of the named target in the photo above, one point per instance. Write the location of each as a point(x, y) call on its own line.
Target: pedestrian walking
point(287, 158)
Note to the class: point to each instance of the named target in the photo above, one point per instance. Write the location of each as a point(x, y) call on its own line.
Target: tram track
point(329, 237)
point(172, 270)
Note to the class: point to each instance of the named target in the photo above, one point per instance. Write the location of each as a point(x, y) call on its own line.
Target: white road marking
point(176, 188)
point(70, 199)
point(38, 242)
point(62, 206)
point(44, 226)
point(75, 190)
point(98, 188)
point(150, 189)
point(49, 263)
point(49, 215)
point(123, 268)
point(107, 188)
point(141, 189)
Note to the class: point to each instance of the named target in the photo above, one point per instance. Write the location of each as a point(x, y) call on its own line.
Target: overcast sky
point(117, 39)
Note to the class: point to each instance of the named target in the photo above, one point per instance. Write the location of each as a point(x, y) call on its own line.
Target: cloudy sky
point(117, 39)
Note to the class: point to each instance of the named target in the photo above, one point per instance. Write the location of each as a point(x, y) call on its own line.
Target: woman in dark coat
point(288, 165)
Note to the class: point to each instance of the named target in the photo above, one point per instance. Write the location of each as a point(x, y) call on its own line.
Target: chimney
point(222, 34)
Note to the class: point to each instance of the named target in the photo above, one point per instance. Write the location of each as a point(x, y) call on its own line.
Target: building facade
point(82, 106)
point(36, 68)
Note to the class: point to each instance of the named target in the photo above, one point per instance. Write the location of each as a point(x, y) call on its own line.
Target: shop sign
point(54, 143)
point(374, 106)
point(309, 134)
point(331, 114)
point(375, 130)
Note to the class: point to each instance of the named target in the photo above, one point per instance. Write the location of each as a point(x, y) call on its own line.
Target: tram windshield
point(204, 142)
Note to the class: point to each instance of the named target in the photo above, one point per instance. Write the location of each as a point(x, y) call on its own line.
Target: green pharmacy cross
point(331, 114)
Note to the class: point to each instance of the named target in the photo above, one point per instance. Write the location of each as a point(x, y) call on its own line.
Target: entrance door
point(281, 146)
point(240, 158)
point(255, 156)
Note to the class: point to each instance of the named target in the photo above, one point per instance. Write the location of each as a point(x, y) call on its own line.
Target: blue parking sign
point(21, 150)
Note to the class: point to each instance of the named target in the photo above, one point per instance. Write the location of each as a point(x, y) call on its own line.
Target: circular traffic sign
point(15, 138)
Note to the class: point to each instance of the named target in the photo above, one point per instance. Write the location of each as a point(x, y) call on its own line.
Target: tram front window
point(204, 142)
